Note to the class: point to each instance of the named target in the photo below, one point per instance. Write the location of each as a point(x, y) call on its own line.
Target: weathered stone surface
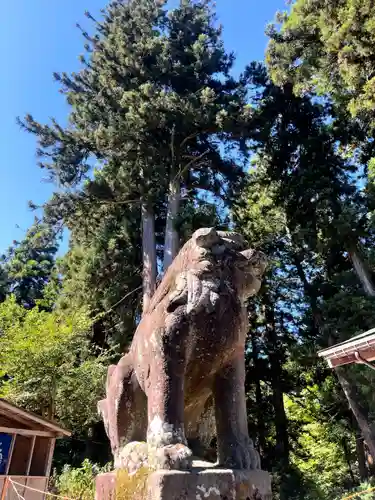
point(186, 361)
point(253, 485)
point(180, 485)
point(105, 486)
point(201, 483)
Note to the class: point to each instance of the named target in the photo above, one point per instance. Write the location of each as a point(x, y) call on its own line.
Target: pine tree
point(103, 269)
point(327, 47)
point(154, 104)
point(28, 264)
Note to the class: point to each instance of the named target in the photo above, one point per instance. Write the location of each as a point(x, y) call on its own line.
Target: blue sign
point(5, 442)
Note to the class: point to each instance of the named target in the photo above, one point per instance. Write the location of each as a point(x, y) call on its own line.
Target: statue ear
point(206, 237)
point(233, 240)
point(248, 254)
point(253, 258)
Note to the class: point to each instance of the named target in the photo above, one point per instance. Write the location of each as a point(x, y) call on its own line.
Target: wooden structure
point(359, 349)
point(27, 443)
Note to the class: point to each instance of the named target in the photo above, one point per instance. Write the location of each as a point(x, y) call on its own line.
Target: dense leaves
point(50, 365)
point(328, 47)
point(28, 265)
point(302, 205)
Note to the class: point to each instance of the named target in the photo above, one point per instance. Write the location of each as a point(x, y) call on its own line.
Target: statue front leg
point(166, 439)
point(235, 448)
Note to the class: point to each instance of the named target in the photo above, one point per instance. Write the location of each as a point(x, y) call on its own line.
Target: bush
point(78, 483)
point(365, 496)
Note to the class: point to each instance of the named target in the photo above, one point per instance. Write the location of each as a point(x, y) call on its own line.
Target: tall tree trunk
point(362, 271)
point(309, 291)
point(361, 458)
point(347, 459)
point(261, 424)
point(281, 421)
point(358, 408)
point(149, 254)
point(51, 410)
point(171, 245)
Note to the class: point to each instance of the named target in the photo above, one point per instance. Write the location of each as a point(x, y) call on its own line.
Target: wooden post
point(30, 455)
point(50, 456)
point(29, 464)
point(5, 488)
point(10, 454)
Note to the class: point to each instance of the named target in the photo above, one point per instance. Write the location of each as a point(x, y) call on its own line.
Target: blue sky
point(38, 37)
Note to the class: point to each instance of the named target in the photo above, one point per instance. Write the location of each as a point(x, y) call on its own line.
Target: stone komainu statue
point(187, 354)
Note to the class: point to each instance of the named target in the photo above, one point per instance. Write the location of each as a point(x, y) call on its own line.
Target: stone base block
point(199, 484)
point(253, 485)
point(105, 486)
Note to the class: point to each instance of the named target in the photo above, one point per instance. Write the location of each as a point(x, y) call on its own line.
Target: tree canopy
point(28, 265)
point(327, 47)
point(51, 366)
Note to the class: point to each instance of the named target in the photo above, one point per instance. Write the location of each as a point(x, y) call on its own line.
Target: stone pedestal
point(105, 486)
point(202, 483)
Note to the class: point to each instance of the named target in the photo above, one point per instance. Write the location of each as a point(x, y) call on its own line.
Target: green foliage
point(361, 495)
point(78, 483)
point(328, 47)
point(154, 103)
point(319, 445)
point(303, 207)
point(51, 365)
point(28, 265)
point(102, 267)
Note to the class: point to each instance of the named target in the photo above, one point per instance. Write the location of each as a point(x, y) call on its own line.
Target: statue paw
point(170, 457)
point(241, 458)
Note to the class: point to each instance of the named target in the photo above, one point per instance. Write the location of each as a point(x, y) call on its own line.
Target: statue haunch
point(187, 351)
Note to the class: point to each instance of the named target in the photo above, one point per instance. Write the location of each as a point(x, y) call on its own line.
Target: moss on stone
point(132, 486)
